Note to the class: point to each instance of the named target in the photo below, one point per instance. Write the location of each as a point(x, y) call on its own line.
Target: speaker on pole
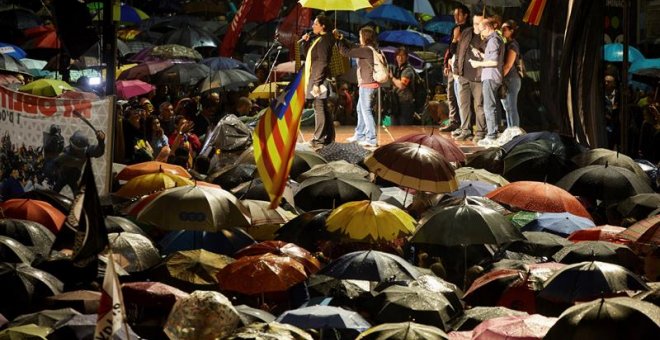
point(74, 26)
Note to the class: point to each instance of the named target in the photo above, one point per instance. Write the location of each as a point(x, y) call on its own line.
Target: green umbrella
point(27, 332)
point(522, 218)
point(540, 160)
point(472, 174)
point(403, 331)
point(605, 156)
point(46, 87)
point(604, 182)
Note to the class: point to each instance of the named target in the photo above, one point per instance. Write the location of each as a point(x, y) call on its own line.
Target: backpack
point(381, 74)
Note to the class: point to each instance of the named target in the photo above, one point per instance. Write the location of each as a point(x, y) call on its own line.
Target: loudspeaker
point(74, 26)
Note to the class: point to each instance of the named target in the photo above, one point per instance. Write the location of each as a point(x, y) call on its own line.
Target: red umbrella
point(33, 210)
point(145, 70)
point(281, 248)
point(608, 233)
point(444, 146)
point(261, 274)
point(132, 88)
point(538, 196)
point(644, 232)
point(41, 37)
point(526, 327)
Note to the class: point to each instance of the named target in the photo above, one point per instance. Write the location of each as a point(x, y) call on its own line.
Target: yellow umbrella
point(121, 69)
point(46, 87)
point(268, 90)
point(149, 183)
point(29, 331)
point(370, 221)
point(336, 5)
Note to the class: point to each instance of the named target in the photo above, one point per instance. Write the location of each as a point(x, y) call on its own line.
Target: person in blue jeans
point(365, 130)
point(491, 78)
point(510, 71)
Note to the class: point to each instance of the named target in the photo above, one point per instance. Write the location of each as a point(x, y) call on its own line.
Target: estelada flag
point(534, 12)
point(111, 312)
point(275, 138)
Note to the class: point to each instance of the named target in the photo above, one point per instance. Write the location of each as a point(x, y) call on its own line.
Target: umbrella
point(605, 156)
point(403, 331)
point(324, 317)
point(268, 90)
point(28, 331)
point(446, 147)
point(606, 183)
point(639, 206)
point(118, 224)
point(32, 235)
point(393, 13)
point(614, 53)
point(127, 89)
point(350, 152)
point(150, 183)
point(173, 51)
point(189, 36)
point(231, 176)
point(145, 70)
point(306, 229)
point(370, 221)
point(43, 38)
point(537, 196)
point(586, 281)
point(440, 25)
point(195, 208)
point(83, 301)
point(250, 315)
point(45, 318)
point(399, 303)
point(447, 201)
point(644, 232)
point(10, 63)
point(151, 167)
point(322, 285)
point(325, 192)
point(185, 74)
point(571, 146)
point(155, 295)
point(16, 17)
point(226, 79)
point(191, 269)
point(224, 241)
point(83, 327)
point(464, 225)
point(24, 286)
point(224, 63)
point(135, 252)
point(602, 233)
point(280, 248)
point(253, 190)
point(490, 159)
point(473, 188)
point(120, 12)
point(414, 166)
point(524, 327)
point(261, 274)
point(406, 37)
point(562, 224)
point(339, 168)
point(136, 46)
point(335, 5)
point(304, 161)
point(271, 330)
point(33, 210)
point(540, 160)
point(472, 317)
point(46, 87)
point(538, 243)
point(598, 251)
point(370, 265)
point(260, 213)
point(614, 318)
point(14, 252)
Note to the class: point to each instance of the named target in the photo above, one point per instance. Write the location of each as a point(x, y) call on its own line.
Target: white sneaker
point(488, 143)
point(367, 144)
point(352, 139)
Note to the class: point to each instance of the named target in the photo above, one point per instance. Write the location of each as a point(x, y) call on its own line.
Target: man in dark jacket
point(461, 15)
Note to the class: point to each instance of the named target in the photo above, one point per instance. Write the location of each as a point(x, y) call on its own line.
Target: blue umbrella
point(324, 317)
point(413, 59)
point(640, 65)
point(444, 25)
point(562, 224)
point(225, 241)
point(614, 53)
point(473, 188)
point(406, 37)
point(370, 265)
point(393, 13)
point(224, 63)
point(12, 50)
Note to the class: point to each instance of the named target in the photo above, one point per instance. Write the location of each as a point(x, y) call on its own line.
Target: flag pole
point(111, 262)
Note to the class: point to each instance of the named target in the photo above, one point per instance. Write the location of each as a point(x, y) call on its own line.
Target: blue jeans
point(489, 92)
point(510, 102)
point(366, 127)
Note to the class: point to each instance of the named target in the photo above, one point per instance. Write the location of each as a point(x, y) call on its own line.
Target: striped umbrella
point(644, 232)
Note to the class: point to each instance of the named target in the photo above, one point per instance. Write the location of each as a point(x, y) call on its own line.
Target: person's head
point(166, 110)
point(461, 14)
point(487, 26)
point(134, 116)
point(14, 173)
point(153, 127)
point(243, 106)
point(476, 23)
point(367, 36)
point(146, 105)
point(214, 98)
point(401, 56)
point(180, 121)
point(497, 21)
point(610, 82)
point(322, 24)
point(510, 29)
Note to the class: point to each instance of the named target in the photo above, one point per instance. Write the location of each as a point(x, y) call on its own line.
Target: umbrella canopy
point(370, 265)
point(29, 331)
point(195, 208)
point(33, 210)
point(350, 152)
point(46, 87)
point(151, 167)
point(414, 166)
point(127, 89)
point(191, 269)
point(464, 225)
point(24, 286)
point(83, 301)
point(250, 315)
point(446, 147)
point(472, 174)
point(185, 74)
point(644, 232)
point(83, 327)
point(225, 63)
point(394, 14)
point(614, 53)
point(189, 36)
point(403, 331)
point(323, 286)
point(151, 294)
point(118, 224)
point(261, 273)
point(201, 315)
point(447, 201)
point(150, 183)
point(325, 192)
point(538, 196)
point(601, 233)
point(45, 318)
point(472, 317)
point(399, 303)
point(145, 70)
point(34, 236)
point(490, 159)
point(14, 16)
point(226, 79)
point(335, 5)
point(406, 37)
point(306, 229)
point(261, 213)
point(133, 252)
point(324, 317)
point(120, 12)
point(14, 252)
point(603, 182)
point(10, 63)
point(539, 243)
point(271, 330)
point(268, 90)
point(614, 318)
point(312, 265)
point(586, 281)
point(473, 188)
point(598, 251)
point(602, 156)
point(173, 51)
point(525, 327)
point(440, 25)
point(233, 175)
point(562, 224)
point(339, 168)
point(571, 146)
point(224, 241)
point(639, 206)
point(416, 62)
point(540, 160)
point(370, 221)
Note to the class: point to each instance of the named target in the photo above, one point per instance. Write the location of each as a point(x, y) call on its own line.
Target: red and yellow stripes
point(534, 12)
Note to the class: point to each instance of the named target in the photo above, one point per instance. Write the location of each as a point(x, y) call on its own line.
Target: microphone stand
point(272, 67)
point(270, 49)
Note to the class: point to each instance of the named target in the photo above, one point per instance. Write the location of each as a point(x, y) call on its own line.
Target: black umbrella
point(11, 64)
point(603, 182)
point(403, 331)
point(539, 243)
point(322, 286)
point(598, 251)
point(14, 252)
point(447, 201)
point(305, 229)
point(46, 317)
point(15, 17)
point(334, 169)
point(83, 327)
point(437, 285)
point(33, 235)
point(472, 317)
point(605, 156)
point(304, 161)
point(118, 224)
point(639, 206)
point(23, 286)
point(586, 281)
point(540, 160)
point(325, 192)
point(57, 200)
point(181, 74)
point(135, 46)
point(224, 241)
point(350, 152)
point(370, 265)
point(491, 159)
point(572, 147)
point(252, 190)
point(233, 175)
point(189, 36)
point(614, 318)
